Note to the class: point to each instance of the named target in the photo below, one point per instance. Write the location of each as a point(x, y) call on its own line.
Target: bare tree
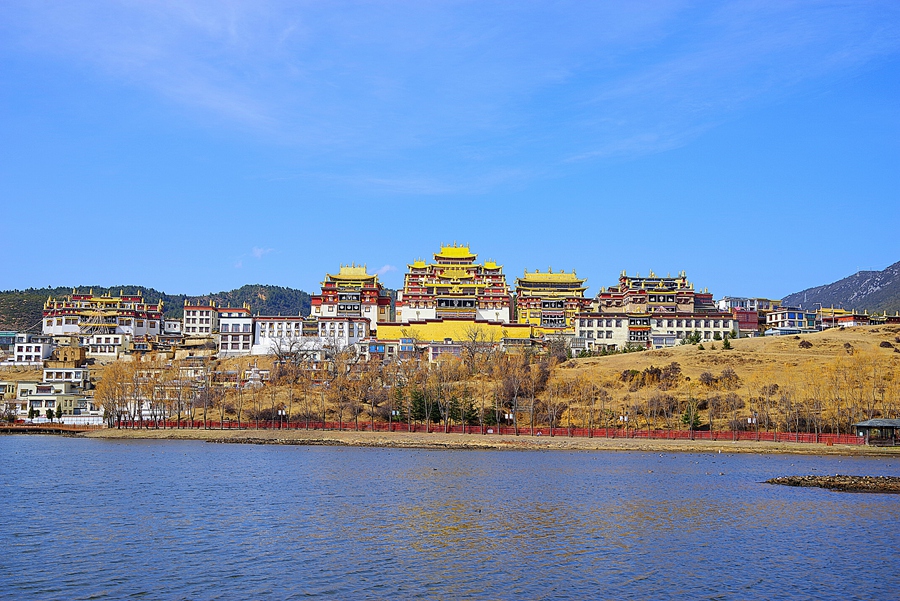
point(512, 385)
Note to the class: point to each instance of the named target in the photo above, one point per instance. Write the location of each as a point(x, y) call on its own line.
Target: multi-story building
point(39, 397)
point(171, 335)
point(650, 312)
point(32, 349)
point(388, 350)
point(342, 332)
point(88, 315)
point(454, 285)
point(745, 308)
point(549, 301)
point(201, 320)
point(747, 322)
point(353, 293)
point(282, 335)
point(790, 320)
point(77, 376)
point(235, 331)
point(307, 335)
point(727, 303)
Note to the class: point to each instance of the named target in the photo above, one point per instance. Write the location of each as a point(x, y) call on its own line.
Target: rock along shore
point(486, 442)
point(883, 484)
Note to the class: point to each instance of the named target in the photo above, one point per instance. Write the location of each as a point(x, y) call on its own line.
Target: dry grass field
point(755, 357)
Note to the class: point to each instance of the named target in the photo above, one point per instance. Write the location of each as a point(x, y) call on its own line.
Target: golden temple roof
point(351, 272)
point(550, 276)
point(455, 252)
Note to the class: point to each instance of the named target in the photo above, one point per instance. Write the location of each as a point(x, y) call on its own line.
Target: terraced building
point(550, 300)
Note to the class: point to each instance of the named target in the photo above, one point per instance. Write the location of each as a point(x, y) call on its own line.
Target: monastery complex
point(447, 300)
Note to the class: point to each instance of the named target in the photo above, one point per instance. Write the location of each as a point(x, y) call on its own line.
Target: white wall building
point(32, 349)
point(172, 327)
point(86, 314)
point(790, 320)
point(616, 332)
point(279, 335)
point(200, 320)
point(235, 331)
point(109, 346)
point(728, 303)
point(77, 376)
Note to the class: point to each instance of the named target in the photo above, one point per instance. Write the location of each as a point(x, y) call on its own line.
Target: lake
point(96, 519)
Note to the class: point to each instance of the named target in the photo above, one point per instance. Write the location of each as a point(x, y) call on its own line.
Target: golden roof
point(455, 252)
point(550, 276)
point(351, 272)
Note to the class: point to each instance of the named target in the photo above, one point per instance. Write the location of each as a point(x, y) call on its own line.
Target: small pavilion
point(880, 432)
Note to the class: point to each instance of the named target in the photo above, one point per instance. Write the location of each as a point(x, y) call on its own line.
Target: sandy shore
point(489, 442)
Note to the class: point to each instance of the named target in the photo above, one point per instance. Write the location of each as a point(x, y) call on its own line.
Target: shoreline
point(399, 440)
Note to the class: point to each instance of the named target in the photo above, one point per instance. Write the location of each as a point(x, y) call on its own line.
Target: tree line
point(481, 387)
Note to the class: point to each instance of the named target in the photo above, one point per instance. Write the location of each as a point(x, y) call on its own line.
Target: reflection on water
point(186, 520)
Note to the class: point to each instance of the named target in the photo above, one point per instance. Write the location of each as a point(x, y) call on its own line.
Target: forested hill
point(873, 291)
point(21, 309)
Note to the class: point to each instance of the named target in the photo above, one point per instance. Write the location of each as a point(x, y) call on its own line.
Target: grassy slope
point(749, 356)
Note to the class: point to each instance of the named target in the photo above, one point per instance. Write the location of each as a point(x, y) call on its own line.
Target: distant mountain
point(873, 291)
point(22, 309)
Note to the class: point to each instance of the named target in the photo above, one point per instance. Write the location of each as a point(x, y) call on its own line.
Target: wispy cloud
point(239, 264)
point(259, 253)
point(385, 269)
point(461, 92)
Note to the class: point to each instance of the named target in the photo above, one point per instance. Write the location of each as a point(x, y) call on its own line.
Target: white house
point(32, 349)
point(235, 331)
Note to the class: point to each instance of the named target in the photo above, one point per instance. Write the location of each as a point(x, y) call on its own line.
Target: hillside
point(873, 291)
point(767, 357)
point(21, 309)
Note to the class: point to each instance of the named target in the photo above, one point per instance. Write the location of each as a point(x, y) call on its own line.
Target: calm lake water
point(94, 519)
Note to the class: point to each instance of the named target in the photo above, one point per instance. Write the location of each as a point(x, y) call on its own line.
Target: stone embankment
point(884, 484)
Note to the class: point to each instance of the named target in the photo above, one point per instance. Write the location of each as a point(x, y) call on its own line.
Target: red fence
point(55, 428)
point(366, 426)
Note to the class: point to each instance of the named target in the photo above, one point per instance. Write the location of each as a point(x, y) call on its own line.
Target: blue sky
point(198, 146)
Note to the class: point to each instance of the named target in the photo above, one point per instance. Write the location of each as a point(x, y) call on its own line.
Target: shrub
point(805, 344)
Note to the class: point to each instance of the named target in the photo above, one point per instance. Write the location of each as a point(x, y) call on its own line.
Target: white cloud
point(385, 270)
point(437, 83)
point(259, 253)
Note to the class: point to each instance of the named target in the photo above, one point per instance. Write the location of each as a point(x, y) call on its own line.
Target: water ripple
point(90, 519)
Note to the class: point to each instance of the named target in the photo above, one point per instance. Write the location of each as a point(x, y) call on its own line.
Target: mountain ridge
point(21, 310)
point(872, 291)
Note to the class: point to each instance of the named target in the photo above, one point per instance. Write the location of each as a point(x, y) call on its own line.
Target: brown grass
point(749, 356)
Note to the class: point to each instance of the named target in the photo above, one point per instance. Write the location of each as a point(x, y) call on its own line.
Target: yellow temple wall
point(455, 330)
